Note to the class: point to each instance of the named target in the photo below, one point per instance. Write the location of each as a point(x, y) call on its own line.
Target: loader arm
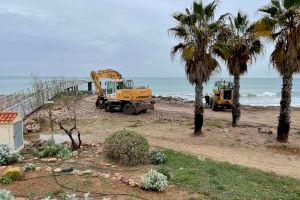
point(106, 73)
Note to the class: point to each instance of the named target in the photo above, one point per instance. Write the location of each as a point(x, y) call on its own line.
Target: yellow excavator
point(120, 94)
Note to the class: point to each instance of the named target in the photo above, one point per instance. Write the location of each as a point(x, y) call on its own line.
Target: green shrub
point(29, 167)
point(6, 180)
point(14, 173)
point(127, 148)
point(71, 196)
point(157, 157)
point(154, 180)
point(165, 171)
point(8, 155)
point(55, 150)
point(6, 195)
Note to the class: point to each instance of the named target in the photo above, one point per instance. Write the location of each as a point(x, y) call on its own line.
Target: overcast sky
point(73, 37)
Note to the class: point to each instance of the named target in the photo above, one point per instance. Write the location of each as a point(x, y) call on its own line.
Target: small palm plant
point(281, 23)
point(196, 31)
point(238, 45)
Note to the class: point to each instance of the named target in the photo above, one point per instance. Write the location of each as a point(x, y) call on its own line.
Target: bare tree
point(66, 120)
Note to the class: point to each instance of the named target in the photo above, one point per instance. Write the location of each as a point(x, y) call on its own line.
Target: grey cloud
point(73, 37)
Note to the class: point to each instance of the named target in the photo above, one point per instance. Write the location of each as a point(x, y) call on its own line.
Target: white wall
point(6, 136)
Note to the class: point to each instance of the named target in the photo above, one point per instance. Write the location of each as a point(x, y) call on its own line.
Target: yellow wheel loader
point(121, 95)
point(222, 95)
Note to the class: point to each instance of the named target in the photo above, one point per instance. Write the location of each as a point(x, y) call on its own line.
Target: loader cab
point(222, 95)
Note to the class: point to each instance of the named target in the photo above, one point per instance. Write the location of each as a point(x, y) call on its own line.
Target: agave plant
point(196, 31)
point(237, 44)
point(281, 24)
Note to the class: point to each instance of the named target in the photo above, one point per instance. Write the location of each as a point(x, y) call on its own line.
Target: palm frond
point(176, 49)
point(210, 9)
point(290, 3)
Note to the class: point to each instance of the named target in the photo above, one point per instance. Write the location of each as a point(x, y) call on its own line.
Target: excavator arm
point(106, 73)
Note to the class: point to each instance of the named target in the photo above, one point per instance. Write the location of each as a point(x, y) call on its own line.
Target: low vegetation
point(8, 155)
point(10, 175)
point(29, 167)
point(6, 195)
point(154, 181)
point(157, 157)
point(55, 150)
point(219, 180)
point(165, 171)
point(71, 196)
point(127, 148)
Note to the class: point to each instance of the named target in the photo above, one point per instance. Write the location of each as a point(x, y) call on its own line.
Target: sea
point(254, 91)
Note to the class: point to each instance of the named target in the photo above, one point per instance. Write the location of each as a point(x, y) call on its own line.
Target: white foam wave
point(267, 94)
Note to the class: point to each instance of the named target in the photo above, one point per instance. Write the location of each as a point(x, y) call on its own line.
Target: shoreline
point(183, 101)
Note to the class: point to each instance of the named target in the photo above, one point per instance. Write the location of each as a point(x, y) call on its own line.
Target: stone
point(106, 175)
point(87, 172)
point(95, 174)
point(75, 153)
point(226, 131)
point(131, 184)
point(105, 164)
point(264, 130)
point(48, 169)
point(38, 169)
point(117, 174)
point(75, 172)
point(125, 180)
point(3, 167)
point(119, 178)
point(57, 170)
point(49, 159)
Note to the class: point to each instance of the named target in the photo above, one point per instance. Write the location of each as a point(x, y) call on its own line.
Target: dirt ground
point(42, 183)
point(170, 126)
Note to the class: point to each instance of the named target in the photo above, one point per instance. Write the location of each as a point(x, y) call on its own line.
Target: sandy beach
point(170, 126)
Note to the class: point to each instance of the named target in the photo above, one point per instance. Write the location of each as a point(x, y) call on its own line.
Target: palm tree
point(238, 44)
point(196, 31)
point(281, 23)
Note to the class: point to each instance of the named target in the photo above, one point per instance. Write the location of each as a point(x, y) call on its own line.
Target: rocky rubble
point(175, 100)
point(266, 130)
point(31, 126)
point(118, 177)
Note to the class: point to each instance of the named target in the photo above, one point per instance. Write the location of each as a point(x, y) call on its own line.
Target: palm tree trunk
point(198, 109)
point(285, 109)
point(236, 110)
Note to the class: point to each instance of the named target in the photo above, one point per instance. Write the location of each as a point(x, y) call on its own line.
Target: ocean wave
point(267, 94)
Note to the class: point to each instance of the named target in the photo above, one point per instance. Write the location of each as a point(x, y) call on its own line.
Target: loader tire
point(214, 106)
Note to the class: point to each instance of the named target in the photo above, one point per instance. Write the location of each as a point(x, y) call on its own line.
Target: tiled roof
point(6, 117)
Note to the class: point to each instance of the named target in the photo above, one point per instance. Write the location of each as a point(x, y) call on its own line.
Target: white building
point(11, 130)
